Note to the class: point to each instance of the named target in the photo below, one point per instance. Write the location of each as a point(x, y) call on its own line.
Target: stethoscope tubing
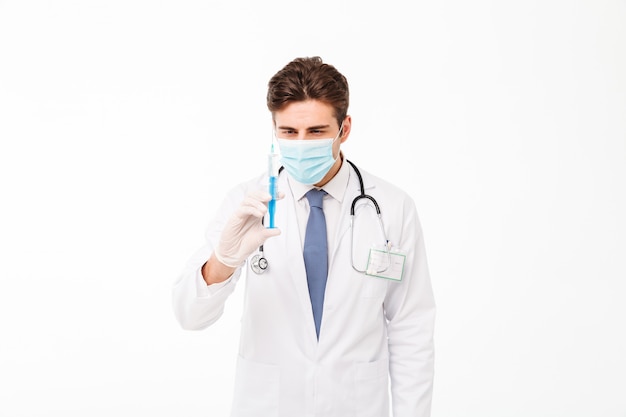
point(259, 263)
point(362, 195)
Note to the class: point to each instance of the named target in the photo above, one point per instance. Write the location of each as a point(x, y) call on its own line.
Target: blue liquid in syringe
point(271, 206)
point(273, 167)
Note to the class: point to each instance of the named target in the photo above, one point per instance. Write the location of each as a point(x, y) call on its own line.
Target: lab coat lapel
point(293, 256)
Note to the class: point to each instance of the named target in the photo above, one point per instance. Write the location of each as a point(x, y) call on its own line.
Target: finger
point(271, 232)
point(266, 233)
point(257, 210)
point(256, 200)
point(259, 195)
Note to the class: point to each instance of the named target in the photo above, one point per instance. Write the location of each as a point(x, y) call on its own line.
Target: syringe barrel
point(273, 164)
point(273, 168)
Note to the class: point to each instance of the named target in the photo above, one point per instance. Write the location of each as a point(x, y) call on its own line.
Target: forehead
point(301, 114)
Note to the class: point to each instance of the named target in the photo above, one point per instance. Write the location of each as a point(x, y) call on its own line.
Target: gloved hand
point(243, 232)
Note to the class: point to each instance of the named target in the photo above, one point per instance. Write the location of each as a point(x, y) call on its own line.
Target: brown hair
point(309, 79)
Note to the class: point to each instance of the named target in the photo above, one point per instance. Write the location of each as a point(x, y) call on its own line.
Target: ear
point(347, 127)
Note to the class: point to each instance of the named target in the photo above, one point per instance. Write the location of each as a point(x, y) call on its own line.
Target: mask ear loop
point(340, 133)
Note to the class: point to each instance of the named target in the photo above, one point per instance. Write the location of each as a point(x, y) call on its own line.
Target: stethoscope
point(259, 263)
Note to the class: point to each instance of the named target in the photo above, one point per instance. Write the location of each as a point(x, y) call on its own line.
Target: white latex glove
point(243, 232)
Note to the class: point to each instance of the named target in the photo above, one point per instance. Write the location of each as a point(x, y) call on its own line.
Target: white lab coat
point(374, 331)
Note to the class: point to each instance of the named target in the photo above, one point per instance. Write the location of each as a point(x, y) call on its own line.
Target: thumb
point(271, 232)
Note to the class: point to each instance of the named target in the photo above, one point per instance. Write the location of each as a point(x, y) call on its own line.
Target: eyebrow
point(318, 127)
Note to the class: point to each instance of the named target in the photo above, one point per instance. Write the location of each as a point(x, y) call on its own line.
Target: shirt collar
point(336, 187)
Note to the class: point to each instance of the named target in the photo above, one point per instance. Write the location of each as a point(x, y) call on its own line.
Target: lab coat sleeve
point(410, 313)
point(196, 305)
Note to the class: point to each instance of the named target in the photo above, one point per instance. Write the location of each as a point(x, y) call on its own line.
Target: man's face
point(311, 119)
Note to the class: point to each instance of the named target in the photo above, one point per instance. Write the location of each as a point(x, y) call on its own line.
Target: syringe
point(273, 166)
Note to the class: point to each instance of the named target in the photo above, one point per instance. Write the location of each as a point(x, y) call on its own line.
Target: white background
point(123, 123)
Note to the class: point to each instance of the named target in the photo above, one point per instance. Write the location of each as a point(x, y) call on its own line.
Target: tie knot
point(315, 197)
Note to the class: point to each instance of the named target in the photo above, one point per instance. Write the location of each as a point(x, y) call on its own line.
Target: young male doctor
point(339, 312)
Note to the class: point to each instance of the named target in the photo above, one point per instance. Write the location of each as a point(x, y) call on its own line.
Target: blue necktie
point(316, 254)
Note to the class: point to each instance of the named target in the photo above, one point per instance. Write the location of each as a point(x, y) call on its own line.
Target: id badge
point(386, 263)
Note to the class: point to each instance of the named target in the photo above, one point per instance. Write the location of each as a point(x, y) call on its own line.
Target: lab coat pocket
point(374, 287)
point(372, 385)
point(256, 389)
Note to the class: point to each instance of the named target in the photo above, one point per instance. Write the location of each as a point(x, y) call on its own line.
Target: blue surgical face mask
point(307, 160)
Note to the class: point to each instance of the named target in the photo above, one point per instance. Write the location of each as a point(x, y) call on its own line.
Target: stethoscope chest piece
point(258, 263)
